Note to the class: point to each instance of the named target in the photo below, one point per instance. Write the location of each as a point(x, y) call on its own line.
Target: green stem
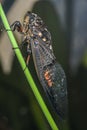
point(27, 73)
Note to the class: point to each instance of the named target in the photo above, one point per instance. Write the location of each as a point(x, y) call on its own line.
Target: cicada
point(38, 42)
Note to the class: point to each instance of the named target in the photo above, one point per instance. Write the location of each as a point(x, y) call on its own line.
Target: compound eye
point(31, 20)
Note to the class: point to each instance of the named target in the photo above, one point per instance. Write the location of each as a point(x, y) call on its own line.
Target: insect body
point(37, 38)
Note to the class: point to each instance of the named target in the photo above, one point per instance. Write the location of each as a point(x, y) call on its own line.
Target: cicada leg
point(27, 60)
point(28, 53)
point(26, 50)
point(16, 26)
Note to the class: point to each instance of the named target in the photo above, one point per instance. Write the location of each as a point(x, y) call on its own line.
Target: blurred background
point(67, 22)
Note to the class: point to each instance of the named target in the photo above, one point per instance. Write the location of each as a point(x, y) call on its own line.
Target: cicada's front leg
point(16, 26)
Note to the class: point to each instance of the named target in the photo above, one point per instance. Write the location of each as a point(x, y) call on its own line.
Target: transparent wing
point(55, 86)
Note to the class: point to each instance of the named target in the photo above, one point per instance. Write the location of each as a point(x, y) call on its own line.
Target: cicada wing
point(42, 55)
point(45, 61)
point(58, 91)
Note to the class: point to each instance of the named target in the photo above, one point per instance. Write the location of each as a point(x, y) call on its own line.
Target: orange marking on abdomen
point(48, 78)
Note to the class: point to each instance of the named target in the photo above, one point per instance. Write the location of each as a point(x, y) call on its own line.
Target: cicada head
point(31, 20)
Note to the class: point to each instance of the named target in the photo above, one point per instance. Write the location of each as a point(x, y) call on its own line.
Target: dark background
point(19, 109)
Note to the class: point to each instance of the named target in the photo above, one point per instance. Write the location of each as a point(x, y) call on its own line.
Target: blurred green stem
point(27, 73)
